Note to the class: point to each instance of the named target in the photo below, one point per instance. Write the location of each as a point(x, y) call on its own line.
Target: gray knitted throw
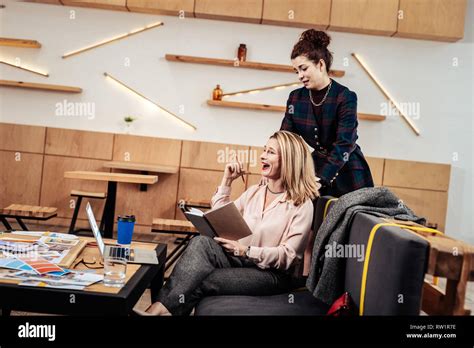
point(326, 276)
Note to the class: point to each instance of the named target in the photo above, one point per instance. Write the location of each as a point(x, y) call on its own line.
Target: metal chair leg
point(22, 224)
point(176, 253)
point(6, 223)
point(75, 214)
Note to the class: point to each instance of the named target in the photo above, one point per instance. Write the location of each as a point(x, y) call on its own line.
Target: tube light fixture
point(187, 124)
point(256, 90)
point(25, 69)
point(386, 94)
point(119, 37)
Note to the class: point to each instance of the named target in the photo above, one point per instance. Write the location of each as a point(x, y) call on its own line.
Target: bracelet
point(247, 252)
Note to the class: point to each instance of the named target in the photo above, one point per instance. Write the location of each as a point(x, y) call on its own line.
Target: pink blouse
point(279, 233)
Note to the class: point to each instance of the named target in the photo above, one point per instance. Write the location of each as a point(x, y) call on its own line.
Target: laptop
point(142, 256)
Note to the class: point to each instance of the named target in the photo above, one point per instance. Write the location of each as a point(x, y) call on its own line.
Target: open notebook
point(225, 222)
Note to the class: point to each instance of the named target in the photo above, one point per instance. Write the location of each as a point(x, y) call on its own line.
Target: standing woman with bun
point(324, 113)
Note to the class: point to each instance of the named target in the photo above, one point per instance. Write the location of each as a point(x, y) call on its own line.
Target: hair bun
point(316, 37)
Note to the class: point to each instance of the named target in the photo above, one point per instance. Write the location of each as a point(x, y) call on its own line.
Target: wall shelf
point(4, 41)
point(40, 86)
point(252, 106)
point(246, 64)
point(371, 117)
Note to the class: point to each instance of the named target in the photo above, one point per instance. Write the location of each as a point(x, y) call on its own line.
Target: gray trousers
point(206, 269)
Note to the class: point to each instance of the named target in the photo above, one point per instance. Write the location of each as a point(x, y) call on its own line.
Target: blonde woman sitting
point(279, 214)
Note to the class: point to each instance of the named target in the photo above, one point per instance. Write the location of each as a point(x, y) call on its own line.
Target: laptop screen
point(95, 229)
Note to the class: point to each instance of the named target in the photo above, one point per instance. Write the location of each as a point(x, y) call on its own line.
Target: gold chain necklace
point(325, 96)
point(275, 193)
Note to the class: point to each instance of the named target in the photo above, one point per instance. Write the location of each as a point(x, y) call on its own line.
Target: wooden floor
point(145, 301)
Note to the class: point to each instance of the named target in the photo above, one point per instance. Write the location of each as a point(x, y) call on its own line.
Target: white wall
point(412, 70)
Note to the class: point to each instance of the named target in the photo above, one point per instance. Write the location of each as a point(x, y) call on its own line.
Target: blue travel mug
point(125, 226)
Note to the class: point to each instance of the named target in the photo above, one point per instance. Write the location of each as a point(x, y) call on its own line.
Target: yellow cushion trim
point(326, 207)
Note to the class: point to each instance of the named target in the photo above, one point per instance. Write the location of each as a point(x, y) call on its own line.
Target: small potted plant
point(128, 122)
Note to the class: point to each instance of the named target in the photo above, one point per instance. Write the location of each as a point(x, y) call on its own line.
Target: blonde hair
point(297, 168)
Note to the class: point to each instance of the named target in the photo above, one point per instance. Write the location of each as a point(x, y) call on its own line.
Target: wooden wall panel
point(62, 224)
point(147, 150)
point(232, 10)
point(253, 179)
point(441, 20)
point(419, 175)
point(376, 166)
point(76, 143)
point(297, 13)
point(256, 152)
point(166, 7)
point(56, 189)
point(103, 4)
point(159, 201)
point(54, 2)
point(423, 186)
point(17, 137)
point(431, 205)
point(377, 17)
point(432, 19)
point(204, 155)
point(20, 178)
point(200, 185)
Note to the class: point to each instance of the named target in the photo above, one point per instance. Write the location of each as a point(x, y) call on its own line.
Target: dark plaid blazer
point(331, 130)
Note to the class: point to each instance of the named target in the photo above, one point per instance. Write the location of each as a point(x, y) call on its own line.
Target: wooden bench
point(80, 195)
point(182, 227)
point(173, 226)
point(194, 204)
point(170, 226)
point(21, 212)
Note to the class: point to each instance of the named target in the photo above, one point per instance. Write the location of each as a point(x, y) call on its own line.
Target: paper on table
point(20, 247)
point(49, 234)
point(17, 264)
point(54, 285)
point(41, 266)
point(72, 278)
point(61, 241)
point(9, 274)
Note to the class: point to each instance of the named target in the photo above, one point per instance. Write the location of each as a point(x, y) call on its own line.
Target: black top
point(319, 95)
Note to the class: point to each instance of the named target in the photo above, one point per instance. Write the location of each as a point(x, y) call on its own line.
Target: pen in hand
point(243, 172)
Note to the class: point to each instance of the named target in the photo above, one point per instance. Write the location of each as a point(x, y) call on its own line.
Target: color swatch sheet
point(39, 266)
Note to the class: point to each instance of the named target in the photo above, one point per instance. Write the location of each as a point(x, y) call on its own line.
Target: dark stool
point(80, 195)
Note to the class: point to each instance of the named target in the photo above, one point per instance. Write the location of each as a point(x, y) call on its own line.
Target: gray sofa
point(394, 280)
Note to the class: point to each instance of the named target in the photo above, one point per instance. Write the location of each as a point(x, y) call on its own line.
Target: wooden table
point(96, 299)
point(143, 168)
point(451, 259)
point(112, 179)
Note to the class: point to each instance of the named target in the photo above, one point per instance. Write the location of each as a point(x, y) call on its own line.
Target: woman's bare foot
point(155, 309)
